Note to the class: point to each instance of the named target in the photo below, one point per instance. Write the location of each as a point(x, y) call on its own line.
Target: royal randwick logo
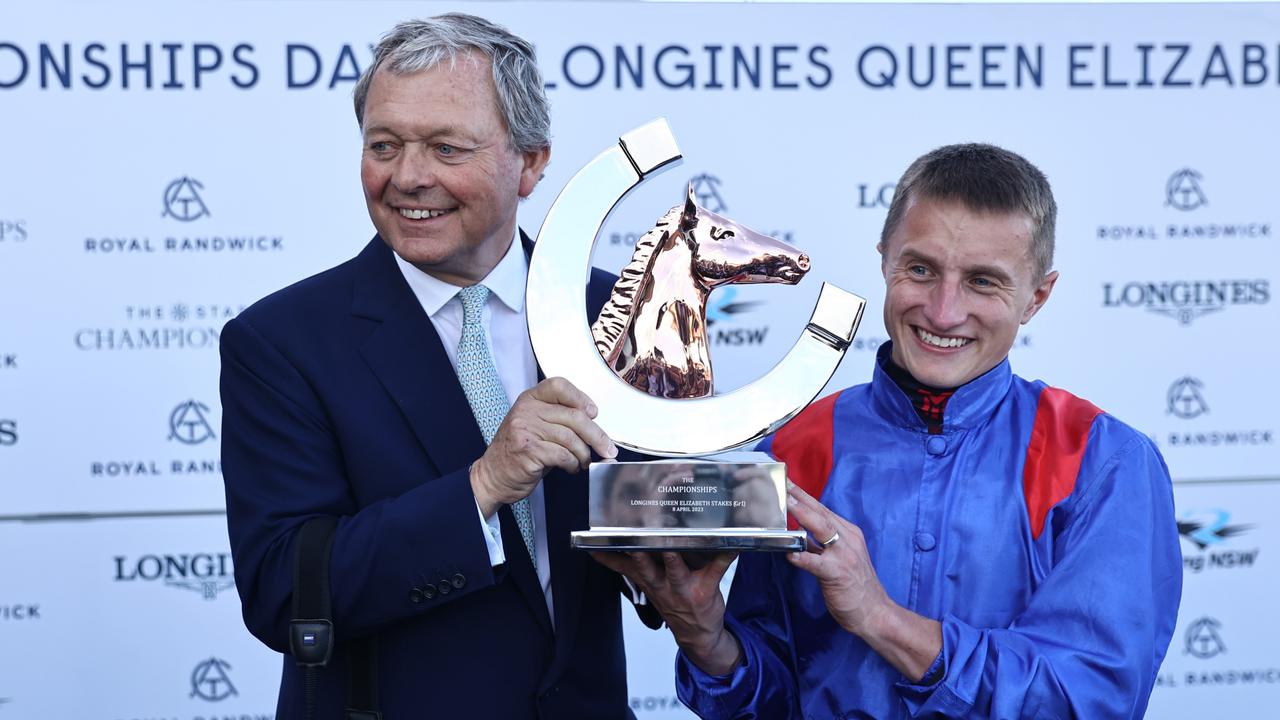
point(1203, 638)
point(1185, 399)
point(210, 680)
point(189, 423)
point(1183, 216)
point(182, 200)
point(1183, 190)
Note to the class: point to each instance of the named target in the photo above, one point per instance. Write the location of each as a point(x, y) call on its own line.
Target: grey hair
point(417, 45)
point(983, 178)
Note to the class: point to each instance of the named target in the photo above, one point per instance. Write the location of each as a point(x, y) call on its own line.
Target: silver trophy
point(646, 363)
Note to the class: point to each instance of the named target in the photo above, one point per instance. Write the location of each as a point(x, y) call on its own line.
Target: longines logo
point(12, 231)
point(8, 432)
point(178, 326)
point(19, 611)
point(1185, 398)
point(1208, 531)
point(184, 201)
point(1186, 300)
point(1203, 639)
point(189, 423)
point(875, 196)
point(205, 573)
point(1184, 191)
point(210, 681)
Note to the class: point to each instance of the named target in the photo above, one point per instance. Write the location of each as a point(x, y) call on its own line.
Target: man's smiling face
point(440, 177)
point(958, 283)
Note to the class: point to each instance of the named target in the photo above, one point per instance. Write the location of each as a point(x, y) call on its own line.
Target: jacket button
point(445, 587)
point(428, 591)
point(415, 595)
point(925, 541)
point(936, 445)
point(459, 580)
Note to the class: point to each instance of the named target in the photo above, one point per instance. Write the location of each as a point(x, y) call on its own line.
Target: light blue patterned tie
point(488, 400)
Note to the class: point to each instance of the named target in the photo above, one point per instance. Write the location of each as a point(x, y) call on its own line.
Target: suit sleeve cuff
point(492, 537)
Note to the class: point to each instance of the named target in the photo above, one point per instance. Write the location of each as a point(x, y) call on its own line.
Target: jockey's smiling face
point(958, 285)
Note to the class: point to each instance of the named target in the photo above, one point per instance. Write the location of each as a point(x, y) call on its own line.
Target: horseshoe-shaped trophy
point(646, 366)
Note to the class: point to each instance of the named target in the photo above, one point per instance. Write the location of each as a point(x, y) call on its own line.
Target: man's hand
point(549, 426)
point(853, 593)
point(689, 600)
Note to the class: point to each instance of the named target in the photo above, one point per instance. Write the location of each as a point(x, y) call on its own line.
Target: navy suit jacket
point(338, 399)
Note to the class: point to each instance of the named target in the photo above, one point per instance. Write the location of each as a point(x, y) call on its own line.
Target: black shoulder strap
point(311, 637)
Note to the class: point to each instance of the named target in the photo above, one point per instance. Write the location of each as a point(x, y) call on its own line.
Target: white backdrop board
point(166, 164)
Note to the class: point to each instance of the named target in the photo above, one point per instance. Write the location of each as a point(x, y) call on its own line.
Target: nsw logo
point(723, 309)
point(1183, 190)
point(182, 200)
point(1203, 639)
point(1206, 528)
point(210, 681)
point(189, 423)
point(1210, 531)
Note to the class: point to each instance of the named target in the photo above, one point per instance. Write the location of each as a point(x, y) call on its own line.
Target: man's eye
point(446, 149)
point(983, 282)
point(918, 270)
point(380, 146)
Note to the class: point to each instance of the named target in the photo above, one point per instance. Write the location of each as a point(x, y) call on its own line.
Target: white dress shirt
point(508, 335)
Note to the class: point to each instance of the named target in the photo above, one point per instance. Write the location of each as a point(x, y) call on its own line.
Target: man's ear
point(535, 161)
point(1039, 297)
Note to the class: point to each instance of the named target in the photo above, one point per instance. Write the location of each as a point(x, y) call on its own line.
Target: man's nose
point(945, 308)
point(413, 171)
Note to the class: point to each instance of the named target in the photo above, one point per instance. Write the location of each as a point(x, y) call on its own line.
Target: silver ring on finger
point(835, 537)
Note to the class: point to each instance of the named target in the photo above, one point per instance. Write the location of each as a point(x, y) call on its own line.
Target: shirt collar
point(506, 281)
point(970, 406)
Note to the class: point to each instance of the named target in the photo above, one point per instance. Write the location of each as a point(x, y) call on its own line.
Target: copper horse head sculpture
point(653, 330)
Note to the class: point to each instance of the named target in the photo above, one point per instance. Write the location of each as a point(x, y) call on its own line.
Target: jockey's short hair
point(983, 178)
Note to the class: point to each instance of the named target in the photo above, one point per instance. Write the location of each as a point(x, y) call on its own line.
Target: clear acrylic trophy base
point(730, 502)
point(705, 541)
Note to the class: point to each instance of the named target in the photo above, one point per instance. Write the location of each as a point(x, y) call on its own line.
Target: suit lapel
point(407, 357)
point(405, 354)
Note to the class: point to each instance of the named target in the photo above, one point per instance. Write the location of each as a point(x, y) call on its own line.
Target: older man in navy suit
point(397, 393)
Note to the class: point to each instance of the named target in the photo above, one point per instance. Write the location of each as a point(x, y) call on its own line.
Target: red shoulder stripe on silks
point(805, 445)
point(1058, 439)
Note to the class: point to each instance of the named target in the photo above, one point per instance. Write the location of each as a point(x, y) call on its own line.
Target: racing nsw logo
point(1185, 399)
point(1210, 533)
point(723, 309)
point(1203, 639)
point(1183, 190)
point(182, 200)
point(210, 681)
